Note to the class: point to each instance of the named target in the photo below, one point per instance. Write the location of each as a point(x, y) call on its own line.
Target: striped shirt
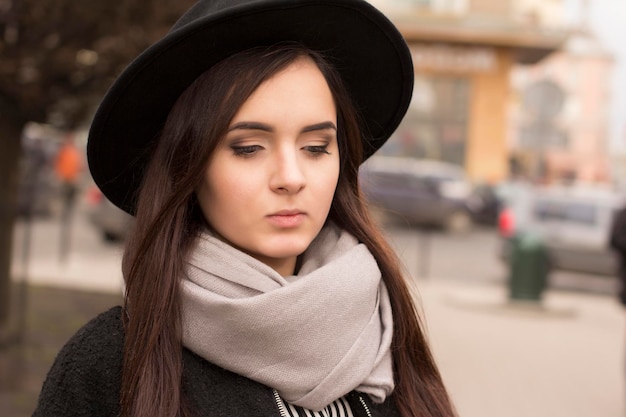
point(338, 408)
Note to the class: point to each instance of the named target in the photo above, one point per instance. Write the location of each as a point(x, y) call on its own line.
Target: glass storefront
point(435, 126)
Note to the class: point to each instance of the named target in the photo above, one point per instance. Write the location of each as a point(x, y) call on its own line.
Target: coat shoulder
point(85, 376)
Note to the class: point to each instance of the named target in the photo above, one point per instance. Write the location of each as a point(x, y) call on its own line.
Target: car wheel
point(458, 222)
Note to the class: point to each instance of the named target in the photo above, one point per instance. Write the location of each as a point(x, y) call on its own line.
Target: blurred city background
point(499, 191)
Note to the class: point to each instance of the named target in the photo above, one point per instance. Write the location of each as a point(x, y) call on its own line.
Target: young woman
point(256, 282)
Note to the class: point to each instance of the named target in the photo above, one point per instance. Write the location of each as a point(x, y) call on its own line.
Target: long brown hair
point(168, 219)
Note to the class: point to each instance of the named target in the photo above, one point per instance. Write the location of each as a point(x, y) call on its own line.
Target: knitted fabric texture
point(313, 337)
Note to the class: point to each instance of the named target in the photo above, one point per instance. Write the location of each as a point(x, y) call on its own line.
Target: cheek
point(229, 193)
point(328, 184)
point(212, 192)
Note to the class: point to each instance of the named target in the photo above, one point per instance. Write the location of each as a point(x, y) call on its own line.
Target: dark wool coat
point(85, 381)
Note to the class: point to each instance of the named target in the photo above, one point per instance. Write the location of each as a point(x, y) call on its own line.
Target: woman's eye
point(247, 150)
point(317, 149)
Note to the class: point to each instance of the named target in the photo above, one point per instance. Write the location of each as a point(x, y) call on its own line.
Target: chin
point(286, 249)
point(285, 252)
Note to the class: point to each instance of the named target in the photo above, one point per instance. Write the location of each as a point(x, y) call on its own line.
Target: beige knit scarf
point(313, 337)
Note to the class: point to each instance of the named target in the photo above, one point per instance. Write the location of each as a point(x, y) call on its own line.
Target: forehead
point(298, 90)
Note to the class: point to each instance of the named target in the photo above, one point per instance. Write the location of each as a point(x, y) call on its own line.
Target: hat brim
point(366, 49)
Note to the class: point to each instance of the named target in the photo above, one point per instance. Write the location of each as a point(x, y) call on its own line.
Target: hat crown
point(207, 8)
point(204, 8)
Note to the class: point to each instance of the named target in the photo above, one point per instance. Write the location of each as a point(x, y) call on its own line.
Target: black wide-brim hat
point(367, 50)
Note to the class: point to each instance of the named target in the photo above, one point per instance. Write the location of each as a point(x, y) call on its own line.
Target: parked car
point(112, 223)
point(424, 192)
point(572, 222)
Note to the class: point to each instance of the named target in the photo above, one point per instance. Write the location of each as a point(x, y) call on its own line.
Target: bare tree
point(57, 58)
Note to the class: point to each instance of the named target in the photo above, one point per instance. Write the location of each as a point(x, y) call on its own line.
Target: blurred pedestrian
point(68, 166)
point(256, 283)
point(618, 244)
point(617, 241)
point(34, 163)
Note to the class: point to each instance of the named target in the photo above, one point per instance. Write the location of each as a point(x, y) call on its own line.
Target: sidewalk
point(563, 359)
point(91, 265)
point(54, 314)
point(97, 273)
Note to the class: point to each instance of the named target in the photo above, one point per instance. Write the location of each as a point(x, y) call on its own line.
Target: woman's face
point(270, 183)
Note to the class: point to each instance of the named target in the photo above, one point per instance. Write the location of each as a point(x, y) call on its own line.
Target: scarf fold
point(313, 337)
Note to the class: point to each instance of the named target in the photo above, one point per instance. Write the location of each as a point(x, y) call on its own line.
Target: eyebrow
point(267, 128)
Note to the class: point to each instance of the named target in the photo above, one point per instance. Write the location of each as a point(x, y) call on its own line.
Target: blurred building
point(464, 52)
point(561, 118)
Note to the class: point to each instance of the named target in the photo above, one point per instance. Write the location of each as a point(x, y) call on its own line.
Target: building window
point(436, 6)
point(435, 126)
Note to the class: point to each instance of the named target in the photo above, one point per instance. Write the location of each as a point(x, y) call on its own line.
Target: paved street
point(562, 358)
point(473, 258)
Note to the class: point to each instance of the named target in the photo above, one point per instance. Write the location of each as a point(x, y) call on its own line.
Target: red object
point(68, 164)
point(506, 223)
point(94, 195)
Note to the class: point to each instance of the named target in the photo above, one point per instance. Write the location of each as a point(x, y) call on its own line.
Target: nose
point(287, 176)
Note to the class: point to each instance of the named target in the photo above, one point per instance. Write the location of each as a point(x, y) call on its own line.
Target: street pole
point(424, 244)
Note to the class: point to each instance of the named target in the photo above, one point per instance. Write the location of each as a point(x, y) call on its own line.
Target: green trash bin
point(529, 267)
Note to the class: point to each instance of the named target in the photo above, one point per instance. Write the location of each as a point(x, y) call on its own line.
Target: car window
point(569, 212)
point(383, 179)
point(438, 178)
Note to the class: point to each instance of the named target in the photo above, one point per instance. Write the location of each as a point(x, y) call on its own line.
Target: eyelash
point(317, 150)
point(245, 151)
point(248, 151)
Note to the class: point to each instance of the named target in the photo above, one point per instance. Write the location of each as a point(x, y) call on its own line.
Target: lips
point(287, 218)
point(287, 213)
